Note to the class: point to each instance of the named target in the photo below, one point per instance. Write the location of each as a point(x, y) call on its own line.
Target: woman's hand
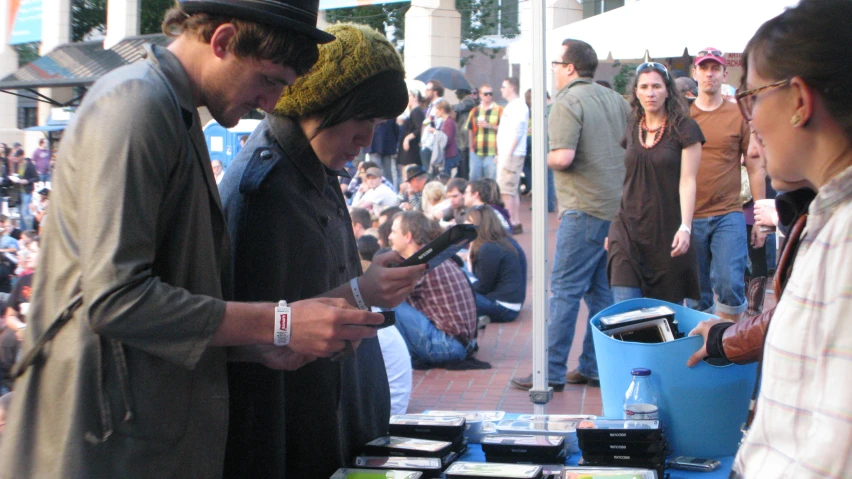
point(405, 145)
point(758, 237)
point(385, 286)
point(703, 329)
point(680, 245)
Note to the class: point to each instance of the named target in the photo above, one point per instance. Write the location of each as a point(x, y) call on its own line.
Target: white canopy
point(666, 27)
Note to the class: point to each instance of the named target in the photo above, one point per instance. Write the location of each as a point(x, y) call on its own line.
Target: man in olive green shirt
point(586, 125)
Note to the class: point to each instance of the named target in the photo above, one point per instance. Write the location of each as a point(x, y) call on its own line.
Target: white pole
point(541, 393)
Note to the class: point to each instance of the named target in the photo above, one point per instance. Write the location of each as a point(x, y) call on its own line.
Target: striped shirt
point(446, 298)
point(484, 139)
point(803, 427)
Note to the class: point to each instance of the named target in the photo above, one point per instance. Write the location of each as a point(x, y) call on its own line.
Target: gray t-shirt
point(591, 120)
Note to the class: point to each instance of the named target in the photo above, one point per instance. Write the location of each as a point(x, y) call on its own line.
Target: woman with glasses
point(649, 238)
point(499, 265)
point(796, 96)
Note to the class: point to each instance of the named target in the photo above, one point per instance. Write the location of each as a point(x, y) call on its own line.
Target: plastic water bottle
point(640, 402)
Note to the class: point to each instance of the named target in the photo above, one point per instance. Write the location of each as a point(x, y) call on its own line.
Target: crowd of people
point(25, 191)
point(150, 317)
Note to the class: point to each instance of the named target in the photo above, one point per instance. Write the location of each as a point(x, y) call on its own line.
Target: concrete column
point(562, 12)
point(9, 132)
point(434, 27)
point(55, 24)
point(122, 21)
point(55, 31)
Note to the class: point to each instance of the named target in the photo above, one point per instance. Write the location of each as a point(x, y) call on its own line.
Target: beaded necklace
point(658, 133)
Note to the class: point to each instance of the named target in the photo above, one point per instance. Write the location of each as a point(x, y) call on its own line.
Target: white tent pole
point(540, 394)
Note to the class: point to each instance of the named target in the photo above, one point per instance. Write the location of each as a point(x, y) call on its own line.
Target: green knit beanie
point(357, 53)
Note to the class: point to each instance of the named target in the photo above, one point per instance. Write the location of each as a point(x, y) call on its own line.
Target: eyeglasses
point(554, 63)
point(653, 66)
point(745, 99)
point(486, 93)
point(715, 53)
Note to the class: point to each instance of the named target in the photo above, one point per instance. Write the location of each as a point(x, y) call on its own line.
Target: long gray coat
point(136, 227)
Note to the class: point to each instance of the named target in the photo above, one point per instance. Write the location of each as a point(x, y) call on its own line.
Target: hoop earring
point(795, 120)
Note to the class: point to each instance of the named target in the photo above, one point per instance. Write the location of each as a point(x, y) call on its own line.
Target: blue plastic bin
point(702, 408)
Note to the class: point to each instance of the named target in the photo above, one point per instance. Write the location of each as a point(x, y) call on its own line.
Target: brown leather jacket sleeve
point(743, 342)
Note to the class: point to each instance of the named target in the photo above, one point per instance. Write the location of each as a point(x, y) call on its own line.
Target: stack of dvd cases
point(524, 449)
point(545, 425)
point(417, 442)
point(425, 426)
point(623, 443)
point(475, 422)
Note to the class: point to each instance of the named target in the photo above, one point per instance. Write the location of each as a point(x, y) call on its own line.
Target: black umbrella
point(451, 78)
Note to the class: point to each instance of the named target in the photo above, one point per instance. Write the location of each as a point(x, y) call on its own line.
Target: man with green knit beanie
point(293, 239)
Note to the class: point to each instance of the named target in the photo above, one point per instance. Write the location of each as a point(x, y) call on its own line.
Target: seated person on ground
point(500, 268)
point(455, 214)
point(361, 221)
point(411, 192)
point(485, 191)
point(357, 182)
point(374, 194)
point(438, 320)
point(434, 201)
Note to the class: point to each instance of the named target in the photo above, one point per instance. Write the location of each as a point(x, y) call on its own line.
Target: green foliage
point(86, 16)
point(152, 12)
point(481, 18)
point(27, 52)
point(390, 16)
point(621, 82)
point(90, 15)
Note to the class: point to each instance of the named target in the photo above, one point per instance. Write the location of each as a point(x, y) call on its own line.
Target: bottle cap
point(641, 372)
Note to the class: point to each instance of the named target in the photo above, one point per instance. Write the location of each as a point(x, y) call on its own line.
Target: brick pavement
point(508, 347)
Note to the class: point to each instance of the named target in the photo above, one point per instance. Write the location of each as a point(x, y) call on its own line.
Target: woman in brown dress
point(649, 239)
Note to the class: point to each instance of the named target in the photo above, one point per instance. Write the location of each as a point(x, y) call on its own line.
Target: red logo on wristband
point(282, 319)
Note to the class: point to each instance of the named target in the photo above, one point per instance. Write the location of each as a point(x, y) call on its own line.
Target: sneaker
point(526, 384)
point(576, 377)
point(482, 321)
point(517, 229)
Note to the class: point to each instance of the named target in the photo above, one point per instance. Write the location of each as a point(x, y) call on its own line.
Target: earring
point(795, 120)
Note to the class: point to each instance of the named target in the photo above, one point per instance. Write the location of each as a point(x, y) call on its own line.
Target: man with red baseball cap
point(718, 228)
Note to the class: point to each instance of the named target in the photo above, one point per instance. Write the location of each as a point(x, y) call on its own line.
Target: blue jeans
point(551, 192)
point(426, 158)
point(623, 293)
point(24, 200)
point(722, 247)
point(451, 162)
point(482, 166)
point(579, 272)
point(492, 309)
point(426, 343)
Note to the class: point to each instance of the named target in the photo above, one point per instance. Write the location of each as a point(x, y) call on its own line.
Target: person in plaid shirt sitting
point(438, 320)
point(482, 130)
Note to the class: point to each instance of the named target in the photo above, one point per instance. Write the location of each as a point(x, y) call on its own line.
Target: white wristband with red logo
point(282, 324)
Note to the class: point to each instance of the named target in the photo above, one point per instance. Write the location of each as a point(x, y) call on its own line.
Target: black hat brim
point(289, 14)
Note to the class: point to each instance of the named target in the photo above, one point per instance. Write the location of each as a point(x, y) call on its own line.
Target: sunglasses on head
point(704, 53)
point(652, 66)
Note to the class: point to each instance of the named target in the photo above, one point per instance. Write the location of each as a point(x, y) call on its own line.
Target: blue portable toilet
point(224, 143)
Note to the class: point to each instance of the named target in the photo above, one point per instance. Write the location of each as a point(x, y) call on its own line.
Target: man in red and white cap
point(718, 228)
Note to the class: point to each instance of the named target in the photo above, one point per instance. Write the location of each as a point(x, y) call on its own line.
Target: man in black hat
point(124, 370)
point(411, 192)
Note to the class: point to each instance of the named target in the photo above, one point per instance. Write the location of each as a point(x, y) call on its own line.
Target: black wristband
point(714, 340)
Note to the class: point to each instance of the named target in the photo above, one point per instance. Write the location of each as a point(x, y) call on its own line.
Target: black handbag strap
point(35, 352)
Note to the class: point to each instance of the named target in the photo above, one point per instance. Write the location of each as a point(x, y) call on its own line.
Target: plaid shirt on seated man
point(446, 298)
